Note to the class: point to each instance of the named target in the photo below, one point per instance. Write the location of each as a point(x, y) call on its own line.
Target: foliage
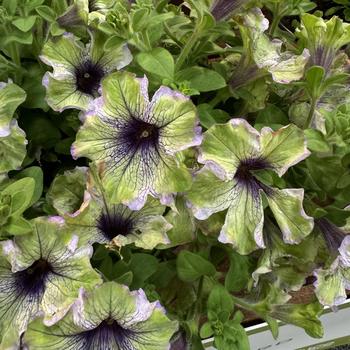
point(166, 167)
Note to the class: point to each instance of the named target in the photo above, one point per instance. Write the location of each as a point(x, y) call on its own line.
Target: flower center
point(32, 280)
point(114, 224)
point(106, 333)
point(138, 134)
point(88, 77)
point(245, 177)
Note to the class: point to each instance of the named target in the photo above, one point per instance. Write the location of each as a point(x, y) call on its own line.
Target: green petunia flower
point(261, 53)
point(323, 38)
point(232, 154)
point(137, 141)
point(331, 283)
point(40, 275)
point(111, 317)
point(12, 137)
point(78, 70)
point(98, 220)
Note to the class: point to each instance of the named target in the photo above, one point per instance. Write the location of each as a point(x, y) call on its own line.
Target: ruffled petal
point(287, 207)
point(283, 148)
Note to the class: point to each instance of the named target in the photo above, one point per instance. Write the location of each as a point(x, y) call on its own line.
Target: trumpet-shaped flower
point(40, 275)
point(137, 140)
point(111, 317)
point(78, 69)
point(233, 153)
point(331, 283)
point(98, 220)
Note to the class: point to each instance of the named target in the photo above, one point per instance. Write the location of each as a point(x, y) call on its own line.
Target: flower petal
point(178, 118)
point(11, 96)
point(12, 148)
point(63, 54)
point(225, 145)
point(63, 94)
point(244, 222)
point(287, 207)
point(283, 148)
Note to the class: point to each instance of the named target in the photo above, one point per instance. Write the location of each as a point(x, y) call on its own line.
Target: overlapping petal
point(98, 220)
point(136, 140)
point(41, 274)
point(78, 70)
point(232, 154)
point(111, 317)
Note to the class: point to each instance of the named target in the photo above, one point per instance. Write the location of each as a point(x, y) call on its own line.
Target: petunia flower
point(232, 154)
point(78, 69)
point(111, 317)
point(323, 38)
point(85, 12)
point(331, 283)
point(98, 220)
point(12, 137)
point(265, 54)
point(137, 141)
point(40, 275)
point(223, 9)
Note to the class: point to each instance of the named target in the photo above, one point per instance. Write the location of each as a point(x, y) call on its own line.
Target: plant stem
point(311, 113)
point(186, 50)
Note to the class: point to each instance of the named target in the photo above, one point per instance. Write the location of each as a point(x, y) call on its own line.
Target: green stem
point(274, 25)
point(171, 35)
point(311, 113)
point(242, 303)
point(186, 50)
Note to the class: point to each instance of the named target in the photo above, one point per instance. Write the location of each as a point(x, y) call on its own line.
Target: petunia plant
point(171, 170)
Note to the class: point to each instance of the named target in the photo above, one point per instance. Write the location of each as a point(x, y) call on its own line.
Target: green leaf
point(142, 266)
point(201, 79)
point(209, 116)
point(159, 61)
point(206, 331)
point(316, 141)
point(10, 5)
point(113, 42)
point(24, 24)
point(238, 274)
point(314, 78)
point(220, 300)
point(37, 175)
point(18, 226)
point(46, 12)
point(125, 279)
point(191, 266)
point(21, 193)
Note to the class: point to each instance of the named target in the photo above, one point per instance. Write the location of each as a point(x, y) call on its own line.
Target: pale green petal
point(63, 94)
point(225, 145)
point(178, 117)
point(141, 325)
point(283, 148)
point(209, 194)
point(63, 54)
point(244, 221)
point(330, 287)
point(183, 225)
point(11, 96)
point(66, 192)
point(287, 207)
point(114, 59)
point(12, 148)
